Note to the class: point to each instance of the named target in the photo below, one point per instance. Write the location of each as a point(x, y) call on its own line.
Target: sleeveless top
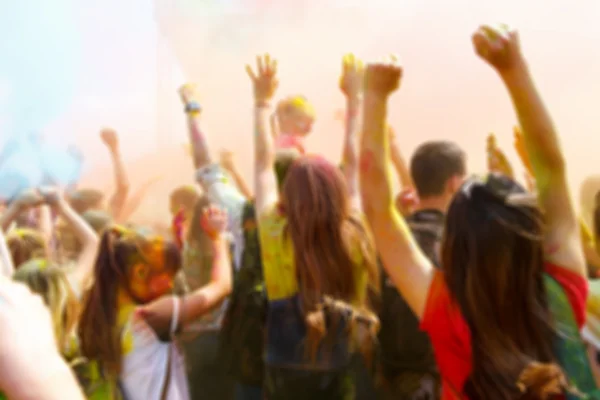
point(152, 369)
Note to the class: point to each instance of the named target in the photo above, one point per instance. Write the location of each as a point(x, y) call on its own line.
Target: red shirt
point(450, 335)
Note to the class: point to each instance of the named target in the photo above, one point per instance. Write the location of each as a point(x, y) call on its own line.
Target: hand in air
point(383, 77)
point(264, 79)
point(227, 160)
point(352, 78)
point(497, 160)
point(110, 138)
point(51, 196)
point(499, 46)
point(187, 93)
point(214, 221)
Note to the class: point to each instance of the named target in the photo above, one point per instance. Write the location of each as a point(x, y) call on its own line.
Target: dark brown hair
point(433, 164)
point(325, 236)
point(493, 264)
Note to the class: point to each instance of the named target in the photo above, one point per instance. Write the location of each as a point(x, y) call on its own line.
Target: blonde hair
point(298, 103)
point(51, 283)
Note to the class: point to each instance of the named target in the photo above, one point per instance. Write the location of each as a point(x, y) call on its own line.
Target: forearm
point(265, 183)
point(83, 231)
point(400, 166)
point(240, 182)
point(122, 183)
point(541, 140)
point(200, 150)
point(53, 380)
point(350, 151)
point(264, 145)
point(45, 224)
point(375, 176)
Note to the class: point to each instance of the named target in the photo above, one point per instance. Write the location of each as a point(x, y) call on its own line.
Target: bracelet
point(193, 107)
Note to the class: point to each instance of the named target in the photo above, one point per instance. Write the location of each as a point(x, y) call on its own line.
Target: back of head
point(97, 219)
point(295, 115)
point(51, 283)
point(493, 264)
point(127, 261)
point(183, 198)
point(83, 200)
point(25, 244)
point(434, 164)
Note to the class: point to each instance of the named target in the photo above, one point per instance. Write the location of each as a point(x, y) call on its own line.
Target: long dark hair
point(493, 263)
point(120, 249)
point(325, 238)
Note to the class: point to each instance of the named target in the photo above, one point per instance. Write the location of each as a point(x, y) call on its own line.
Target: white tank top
point(149, 362)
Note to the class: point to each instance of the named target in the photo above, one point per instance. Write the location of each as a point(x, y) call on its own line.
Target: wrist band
point(193, 107)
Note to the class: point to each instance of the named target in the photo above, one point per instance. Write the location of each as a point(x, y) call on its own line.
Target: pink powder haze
point(137, 56)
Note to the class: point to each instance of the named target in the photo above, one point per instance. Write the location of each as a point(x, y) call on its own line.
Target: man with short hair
point(409, 370)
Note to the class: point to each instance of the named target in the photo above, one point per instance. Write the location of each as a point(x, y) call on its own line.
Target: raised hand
point(352, 78)
point(264, 79)
point(51, 196)
point(187, 93)
point(383, 78)
point(499, 46)
point(110, 138)
point(497, 160)
point(214, 221)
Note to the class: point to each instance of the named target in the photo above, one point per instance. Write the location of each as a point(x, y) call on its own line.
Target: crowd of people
point(317, 280)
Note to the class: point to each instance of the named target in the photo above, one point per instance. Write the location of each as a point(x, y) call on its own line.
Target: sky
point(72, 67)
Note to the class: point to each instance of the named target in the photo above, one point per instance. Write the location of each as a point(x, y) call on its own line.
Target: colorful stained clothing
point(222, 192)
point(150, 366)
point(450, 334)
point(289, 370)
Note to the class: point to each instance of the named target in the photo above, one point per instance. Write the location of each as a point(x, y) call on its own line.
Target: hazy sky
point(71, 67)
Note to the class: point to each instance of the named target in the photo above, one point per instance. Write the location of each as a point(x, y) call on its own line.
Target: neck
point(434, 203)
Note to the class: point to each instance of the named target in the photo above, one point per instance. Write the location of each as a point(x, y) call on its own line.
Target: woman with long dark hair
point(512, 269)
point(128, 325)
point(318, 261)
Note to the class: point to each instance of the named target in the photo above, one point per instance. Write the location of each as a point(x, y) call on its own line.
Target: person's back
point(408, 364)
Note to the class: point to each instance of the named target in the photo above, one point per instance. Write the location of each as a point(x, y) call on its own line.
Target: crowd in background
point(317, 279)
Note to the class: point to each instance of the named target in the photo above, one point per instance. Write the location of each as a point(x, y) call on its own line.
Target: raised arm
point(159, 313)
point(351, 83)
point(265, 84)
point(501, 49)
point(406, 265)
point(83, 232)
point(399, 162)
point(200, 150)
point(496, 159)
point(228, 163)
point(119, 197)
point(135, 200)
